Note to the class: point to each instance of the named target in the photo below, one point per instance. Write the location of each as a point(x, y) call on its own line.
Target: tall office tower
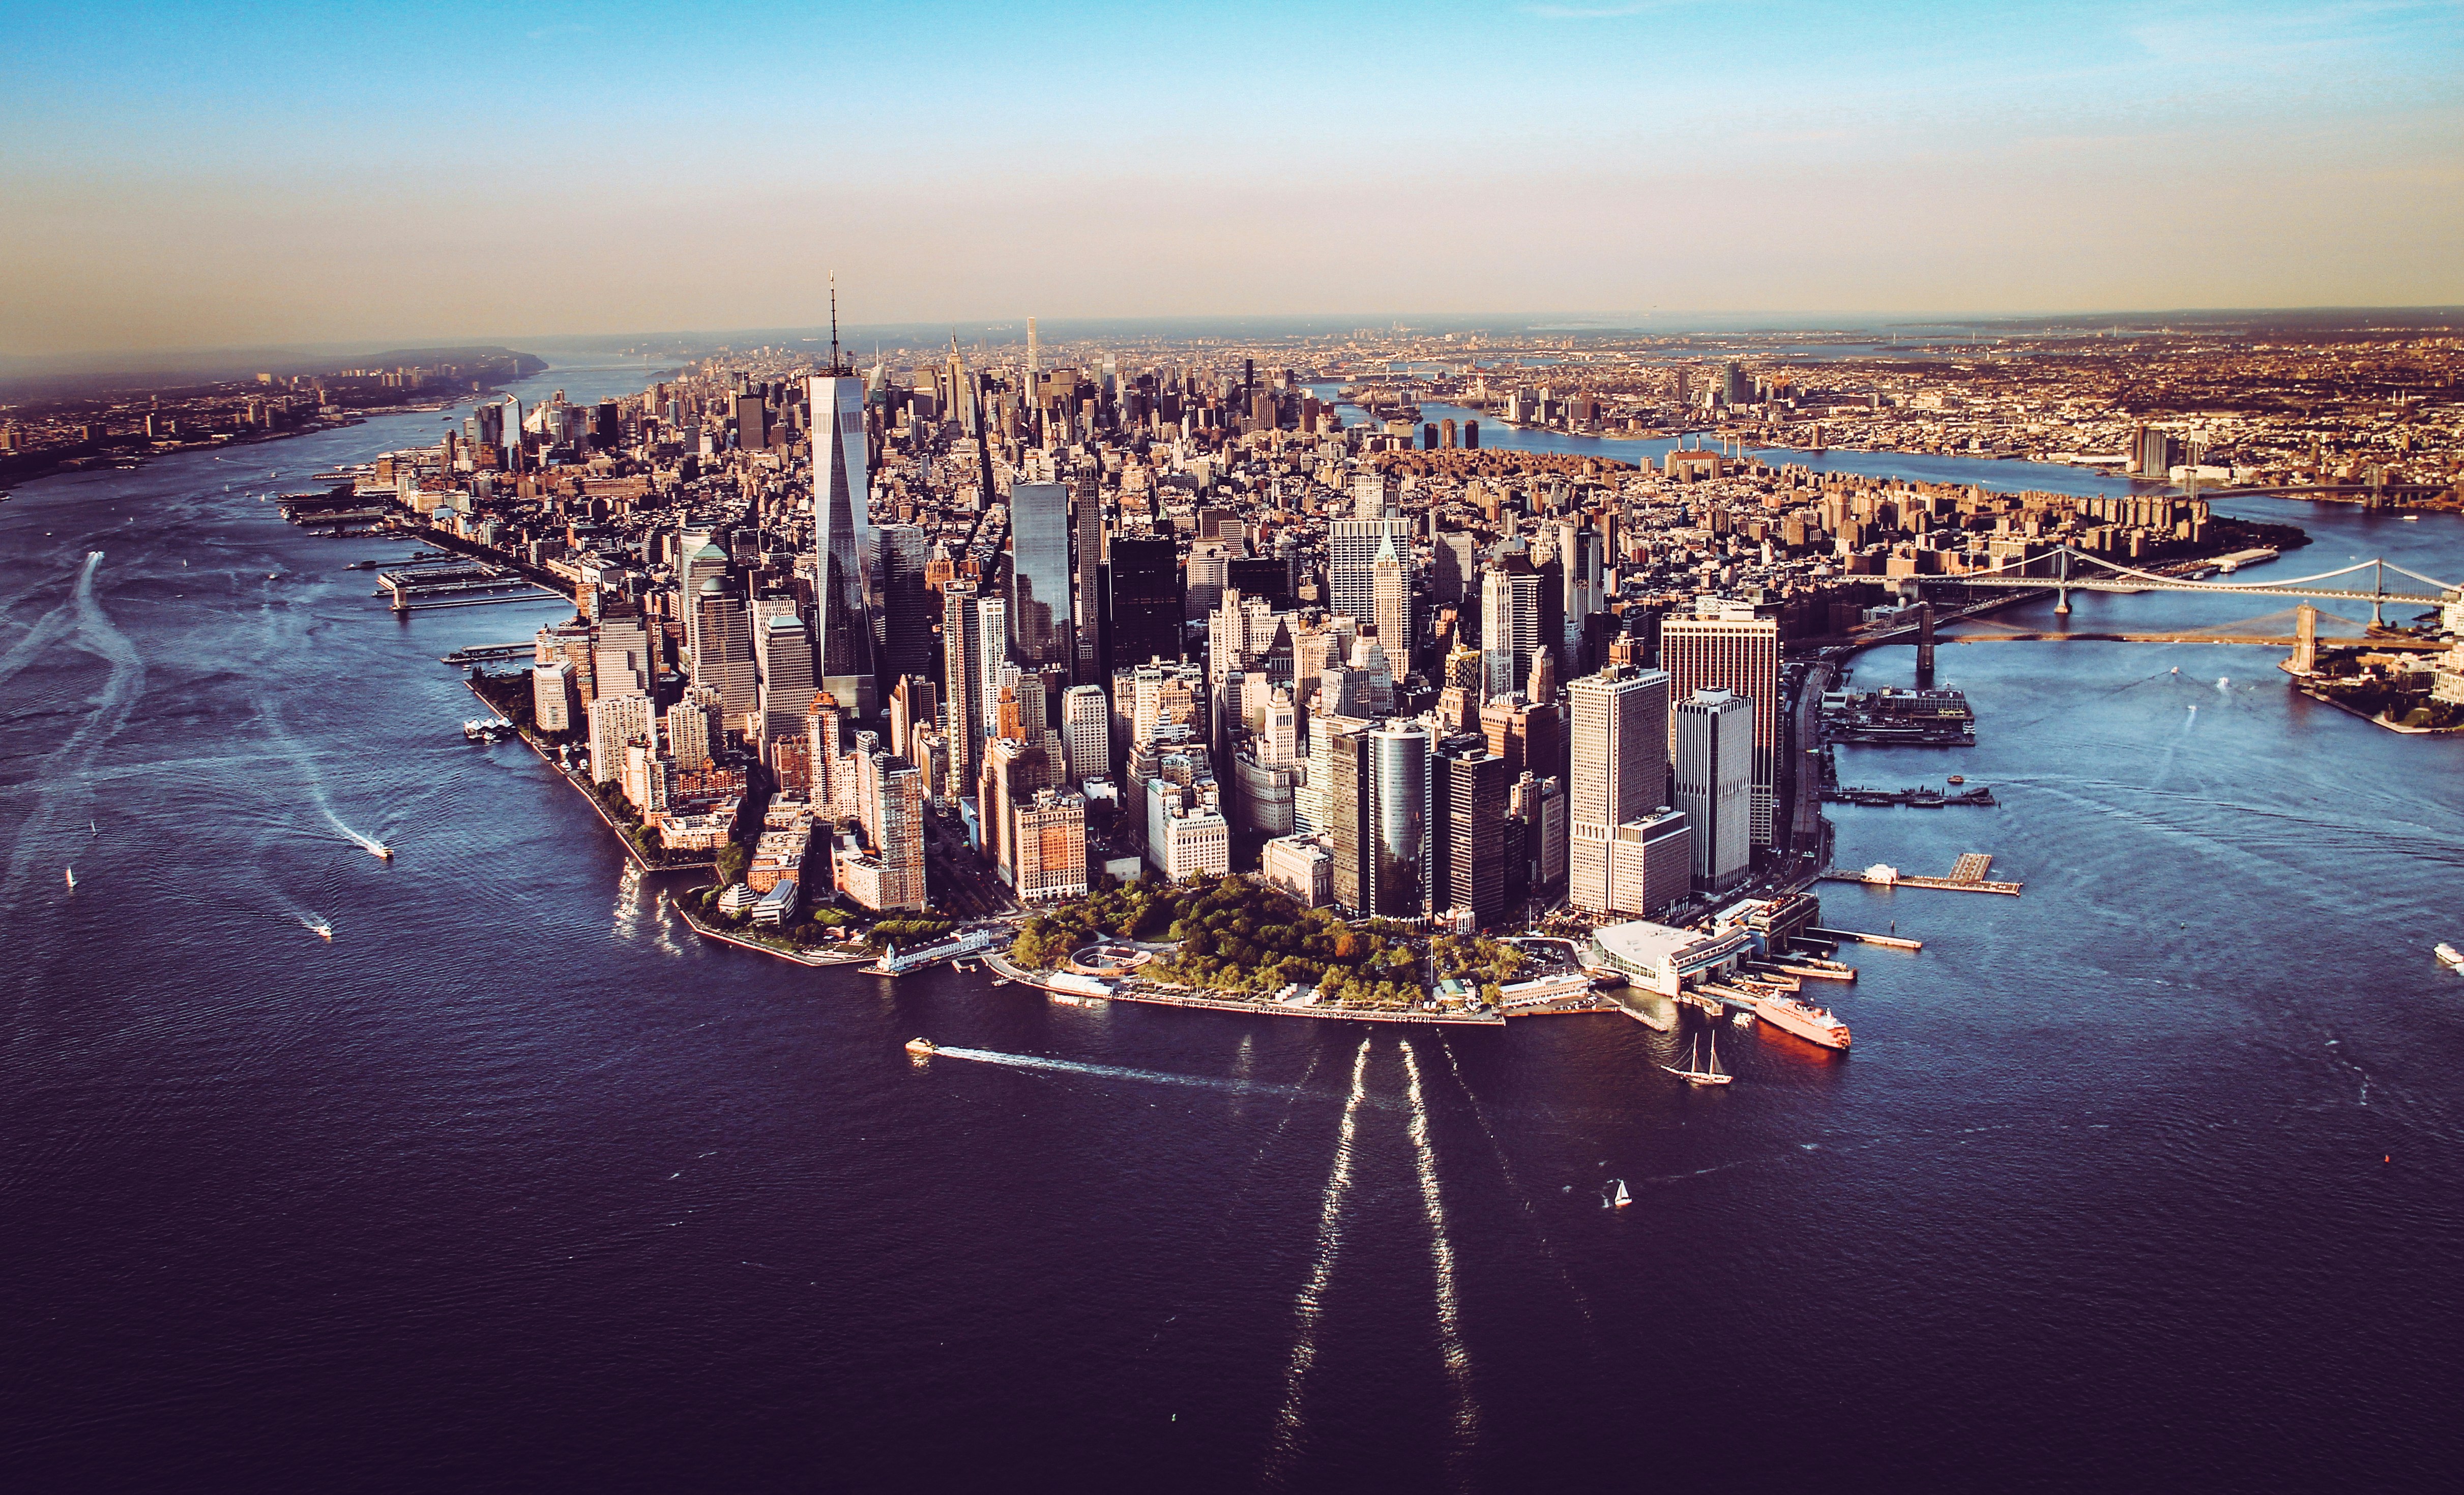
point(615, 722)
point(992, 654)
point(553, 701)
point(831, 793)
point(1202, 587)
point(1352, 548)
point(962, 681)
point(915, 705)
point(1278, 736)
point(1509, 624)
point(1018, 705)
point(1453, 569)
point(704, 562)
point(1736, 651)
point(1619, 777)
point(1145, 616)
point(752, 423)
point(1086, 732)
point(1467, 822)
point(787, 685)
point(620, 658)
point(1051, 840)
point(1379, 804)
point(1390, 592)
point(1038, 577)
point(1584, 577)
point(899, 813)
point(841, 488)
point(1087, 516)
point(1715, 777)
point(723, 657)
point(1033, 350)
point(906, 602)
point(687, 729)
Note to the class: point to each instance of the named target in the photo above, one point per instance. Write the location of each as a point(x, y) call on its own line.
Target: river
point(516, 1184)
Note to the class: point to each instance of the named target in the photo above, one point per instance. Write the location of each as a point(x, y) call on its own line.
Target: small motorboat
point(1956, 779)
point(922, 1047)
point(2447, 954)
point(381, 853)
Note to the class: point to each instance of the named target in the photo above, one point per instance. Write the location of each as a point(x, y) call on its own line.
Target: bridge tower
point(1925, 646)
point(2305, 639)
point(2062, 593)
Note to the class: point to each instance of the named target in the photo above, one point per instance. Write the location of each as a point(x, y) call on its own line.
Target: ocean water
point(2147, 1178)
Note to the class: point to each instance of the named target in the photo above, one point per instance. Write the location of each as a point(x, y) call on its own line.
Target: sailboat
point(71, 872)
point(1695, 1073)
point(1615, 1196)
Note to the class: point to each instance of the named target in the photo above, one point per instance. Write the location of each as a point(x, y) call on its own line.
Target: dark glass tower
point(1146, 600)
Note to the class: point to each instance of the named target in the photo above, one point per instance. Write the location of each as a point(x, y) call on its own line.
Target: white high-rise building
point(1351, 547)
point(1509, 628)
point(616, 720)
point(553, 698)
point(1086, 732)
point(1390, 593)
point(1715, 777)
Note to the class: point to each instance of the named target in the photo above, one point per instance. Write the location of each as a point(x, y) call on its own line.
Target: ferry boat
point(2449, 956)
point(1808, 1022)
point(922, 1047)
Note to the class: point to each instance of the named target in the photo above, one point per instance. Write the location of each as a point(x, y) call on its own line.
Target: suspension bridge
point(2076, 570)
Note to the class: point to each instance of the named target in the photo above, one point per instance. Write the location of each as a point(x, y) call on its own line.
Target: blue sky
point(196, 175)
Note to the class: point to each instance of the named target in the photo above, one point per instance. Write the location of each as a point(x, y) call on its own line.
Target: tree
point(732, 861)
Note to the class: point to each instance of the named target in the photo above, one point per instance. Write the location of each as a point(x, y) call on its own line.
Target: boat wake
point(989, 1056)
point(65, 775)
point(1311, 1306)
point(1441, 1258)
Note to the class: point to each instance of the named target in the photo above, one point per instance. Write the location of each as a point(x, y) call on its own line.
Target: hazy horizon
point(187, 179)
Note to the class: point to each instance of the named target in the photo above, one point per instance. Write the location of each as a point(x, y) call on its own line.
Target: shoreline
point(631, 852)
point(729, 937)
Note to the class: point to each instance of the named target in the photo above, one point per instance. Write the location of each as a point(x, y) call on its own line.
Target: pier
point(459, 583)
point(1968, 875)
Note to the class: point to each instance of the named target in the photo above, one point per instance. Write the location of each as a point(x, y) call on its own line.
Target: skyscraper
point(1086, 732)
point(1509, 625)
point(1391, 608)
point(786, 679)
point(1351, 547)
point(1734, 651)
point(962, 681)
point(841, 486)
point(1620, 778)
point(1038, 577)
point(906, 602)
point(1467, 822)
point(1715, 772)
point(723, 652)
point(1145, 617)
point(1379, 804)
point(1088, 563)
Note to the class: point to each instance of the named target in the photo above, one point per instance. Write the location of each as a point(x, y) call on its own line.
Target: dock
point(1968, 875)
point(1850, 936)
point(456, 585)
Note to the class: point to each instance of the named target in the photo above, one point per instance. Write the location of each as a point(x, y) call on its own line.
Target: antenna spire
point(838, 365)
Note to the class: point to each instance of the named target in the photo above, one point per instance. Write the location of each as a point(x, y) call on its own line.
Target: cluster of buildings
point(1031, 618)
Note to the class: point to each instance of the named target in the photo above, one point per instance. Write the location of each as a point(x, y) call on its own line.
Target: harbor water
point(2146, 1178)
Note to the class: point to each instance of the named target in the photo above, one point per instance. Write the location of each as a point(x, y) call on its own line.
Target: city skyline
point(187, 180)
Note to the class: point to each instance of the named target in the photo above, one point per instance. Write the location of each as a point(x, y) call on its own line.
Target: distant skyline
point(192, 177)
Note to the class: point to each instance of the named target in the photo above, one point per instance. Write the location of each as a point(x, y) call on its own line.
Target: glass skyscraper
point(1039, 576)
point(841, 487)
